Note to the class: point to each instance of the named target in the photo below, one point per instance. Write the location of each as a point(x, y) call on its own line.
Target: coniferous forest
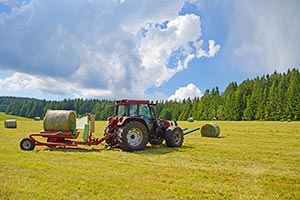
point(270, 97)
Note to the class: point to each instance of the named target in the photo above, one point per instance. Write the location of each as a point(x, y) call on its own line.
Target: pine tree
point(230, 108)
point(293, 96)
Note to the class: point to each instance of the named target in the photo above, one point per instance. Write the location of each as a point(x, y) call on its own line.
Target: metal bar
point(193, 130)
point(62, 143)
point(175, 122)
point(102, 139)
point(184, 129)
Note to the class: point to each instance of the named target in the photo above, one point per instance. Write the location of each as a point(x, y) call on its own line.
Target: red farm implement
point(63, 138)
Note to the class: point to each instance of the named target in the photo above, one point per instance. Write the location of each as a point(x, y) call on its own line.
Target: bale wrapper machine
point(64, 138)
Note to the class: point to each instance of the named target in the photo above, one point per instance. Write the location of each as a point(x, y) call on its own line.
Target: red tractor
point(135, 124)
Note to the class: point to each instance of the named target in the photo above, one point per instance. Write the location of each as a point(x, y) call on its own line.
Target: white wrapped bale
point(60, 120)
point(10, 123)
point(210, 130)
point(81, 122)
point(191, 119)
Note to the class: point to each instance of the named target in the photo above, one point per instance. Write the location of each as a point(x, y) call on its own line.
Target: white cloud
point(213, 48)
point(98, 49)
point(14, 83)
point(264, 35)
point(159, 43)
point(190, 91)
point(20, 81)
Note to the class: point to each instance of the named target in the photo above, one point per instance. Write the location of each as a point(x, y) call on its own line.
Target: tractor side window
point(133, 109)
point(145, 111)
point(121, 111)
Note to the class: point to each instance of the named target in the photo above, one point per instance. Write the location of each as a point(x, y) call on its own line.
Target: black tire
point(27, 144)
point(112, 140)
point(174, 136)
point(133, 136)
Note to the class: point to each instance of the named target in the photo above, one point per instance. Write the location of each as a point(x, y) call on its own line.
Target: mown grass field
point(251, 160)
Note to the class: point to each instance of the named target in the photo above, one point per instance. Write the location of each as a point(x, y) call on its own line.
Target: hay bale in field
point(37, 119)
point(210, 130)
point(191, 119)
point(60, 120)
point(10, 123)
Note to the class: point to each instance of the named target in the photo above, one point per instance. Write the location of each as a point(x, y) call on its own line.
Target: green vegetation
point(273, 97)
point(4, 117)
point(251, 160)
point(28, 107)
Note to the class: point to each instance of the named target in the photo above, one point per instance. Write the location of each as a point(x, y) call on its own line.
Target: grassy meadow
point(251, 160)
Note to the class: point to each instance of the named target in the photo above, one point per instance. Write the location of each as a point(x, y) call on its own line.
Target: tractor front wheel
point(27, 144)
point(174, 136)
point(133, 136)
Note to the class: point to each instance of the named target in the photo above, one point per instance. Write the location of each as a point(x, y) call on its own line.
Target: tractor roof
point(129, 101)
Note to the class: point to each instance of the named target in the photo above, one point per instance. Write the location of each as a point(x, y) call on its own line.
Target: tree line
point(31, 108)
point(270, 97)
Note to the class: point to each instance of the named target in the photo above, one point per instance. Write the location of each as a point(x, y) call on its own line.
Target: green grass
point(251, 160)
point(4, 117)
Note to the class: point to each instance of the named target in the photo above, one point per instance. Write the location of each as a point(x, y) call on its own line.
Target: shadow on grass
point(73, 149)
point(149, 150)
point(161, 149)
point(219, 137)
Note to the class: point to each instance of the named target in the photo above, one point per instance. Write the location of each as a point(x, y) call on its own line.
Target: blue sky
point(142, 49)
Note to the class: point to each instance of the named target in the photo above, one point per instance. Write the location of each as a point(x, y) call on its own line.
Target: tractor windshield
point(135, 110)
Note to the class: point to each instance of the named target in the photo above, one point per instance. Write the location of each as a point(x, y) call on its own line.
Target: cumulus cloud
point(20, 81)
point(15, 82)
point(96, 49)
point(159, 43)
point(190, 91)
point(264, 35)
point(213, 48)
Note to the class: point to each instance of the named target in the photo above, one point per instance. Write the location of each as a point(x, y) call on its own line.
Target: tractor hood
point(165, 123)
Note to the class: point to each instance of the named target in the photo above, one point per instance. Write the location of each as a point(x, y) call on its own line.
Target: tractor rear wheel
point(174, 136)
point(27, 144)
point(133, 136)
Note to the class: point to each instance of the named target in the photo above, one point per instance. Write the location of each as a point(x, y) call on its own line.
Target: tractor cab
point(139, 110)
point(135, 108)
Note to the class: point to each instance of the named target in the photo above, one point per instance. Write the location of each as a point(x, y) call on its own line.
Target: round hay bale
point(60, 120)
point(210, 130)
point(10, 123)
